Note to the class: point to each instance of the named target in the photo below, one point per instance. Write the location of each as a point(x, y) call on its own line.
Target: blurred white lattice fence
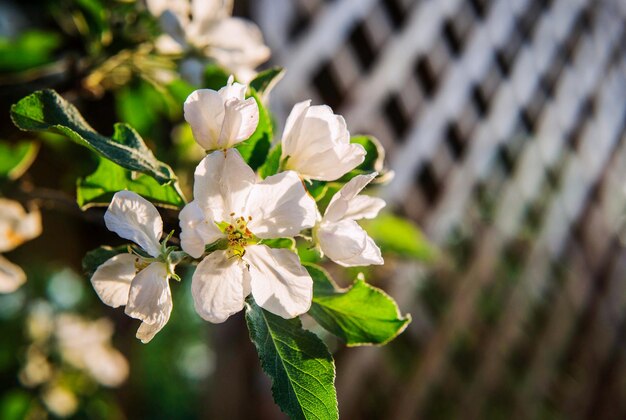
point(504, 120)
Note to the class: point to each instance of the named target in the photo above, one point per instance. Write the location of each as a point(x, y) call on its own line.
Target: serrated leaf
point(301, 368)
point(360, 315)
point(96, 257)
point(16, 159)
point(272, 163)
point(254, 150)
point(399, 236)
point(265, 81)
point(46, 110)
point(109, 178)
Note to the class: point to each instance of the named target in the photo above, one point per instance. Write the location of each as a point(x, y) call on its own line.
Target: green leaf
point(272, 163)
point(254, 150)
point(301, 368)
point(96, 257)
point(31, 49)
point(374, 158)
point(265, 81)
point(215, 77)
point(399, 236)
point(360, 315)
point(109, 178)
point(46, 110)
point(16, 159)
point(287, 243)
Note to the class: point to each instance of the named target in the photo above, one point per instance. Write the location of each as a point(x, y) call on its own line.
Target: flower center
point(238, 235)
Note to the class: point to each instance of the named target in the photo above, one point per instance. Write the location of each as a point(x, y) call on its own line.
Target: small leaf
point(109, 178)
point(287, 243)
point(16, 159)
point(360, 315)
point(399, 236)
point(254, 150)
point(374, 158)
point(301, 368)
point(96, 257)
point(215, 77)
point(265, 81)
point(46, 110)
point(272, 163)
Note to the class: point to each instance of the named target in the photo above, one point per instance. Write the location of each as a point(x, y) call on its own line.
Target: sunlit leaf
point(16, 159)
point(374, 158)
point(359, 315)
point(109, 178)
point(399, 236)
point(47, 110)
point(266, 80)
point(301, 368)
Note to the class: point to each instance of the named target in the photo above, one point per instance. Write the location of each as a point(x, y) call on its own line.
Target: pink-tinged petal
point(219, 286)
point(11, 276)
point(280, 207)
point(196, 230)
point(346, 204)
point(280, 284)
point(204, 111)
point(347, 244)
point(240, 120)
point(222, 184)
point(150, 300)
point(112, 279)
point(134, 218)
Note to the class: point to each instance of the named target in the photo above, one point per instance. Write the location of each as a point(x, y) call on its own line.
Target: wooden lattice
point(505, 122)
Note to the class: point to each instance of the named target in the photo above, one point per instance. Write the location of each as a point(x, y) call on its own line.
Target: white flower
point(339, 236)
point(316, 143)
point(230, 204)
point(206, 26)
point(16, 227)
point(128, 279)
point(87, 345)
point(220, 120)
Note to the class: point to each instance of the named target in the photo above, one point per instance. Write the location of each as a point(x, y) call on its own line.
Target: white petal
point(280, 284)
point(167, 45)
point(112, 279)
point(17, 226)
point(106, 365)
point(347, 244)
point(317, 143)
point(345, 204)
point(219, 287)
point(280, 207)
point(157, 7)
point(240, 121)
point(206, 11)
point(204, 111)
point(134, 218)
point(196, 230)
point(222, 185)
point(11, 276)
point(233, 90)
point(236, 44)
point(150, 300)
point(174, 24)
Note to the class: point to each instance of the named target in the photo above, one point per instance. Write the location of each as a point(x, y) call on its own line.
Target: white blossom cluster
point(204, 30)
point(232, 206)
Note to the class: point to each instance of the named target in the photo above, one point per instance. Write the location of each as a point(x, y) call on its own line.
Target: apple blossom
point(221, 119)
point(231, 205)
point(316, 143)
point(140, 283)
point(16, 227)
point(207, 28)
point(339, 236)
